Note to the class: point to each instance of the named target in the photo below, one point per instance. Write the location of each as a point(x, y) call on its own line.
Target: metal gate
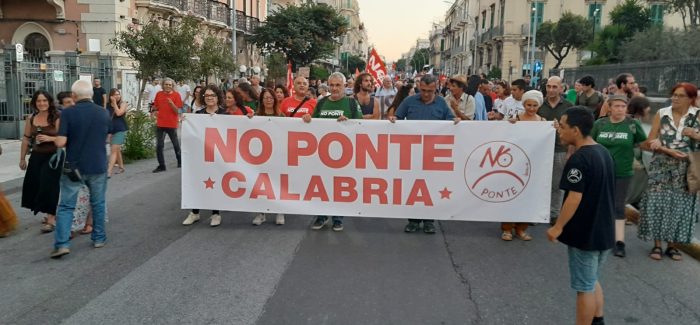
point(22, 79)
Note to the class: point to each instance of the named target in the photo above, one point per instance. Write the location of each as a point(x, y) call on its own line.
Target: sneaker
point(428, 228)
point(215, 220)
point(159, 169)
point(259, 219)
point(337, 226)
point(619, 250)
point(98, 244)
point(280, 219)
point(59, 252)
point(319, 223)
point(191, 218)
point(412, 226)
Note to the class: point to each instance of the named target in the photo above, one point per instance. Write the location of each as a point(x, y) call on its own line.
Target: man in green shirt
point(340, 107)
point(552, 110)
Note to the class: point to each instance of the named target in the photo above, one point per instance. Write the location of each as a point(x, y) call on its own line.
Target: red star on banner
point(209, 183)
point(445, 193)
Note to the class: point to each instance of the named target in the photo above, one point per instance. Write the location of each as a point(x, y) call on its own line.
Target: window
point(595, 12)
point(503, 13)
point(657, 14)
point(493, 14)
point(536, 15)
point(442, 45)
point(483, 20)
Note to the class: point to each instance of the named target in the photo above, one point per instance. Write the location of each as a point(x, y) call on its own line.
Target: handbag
point(693, 175)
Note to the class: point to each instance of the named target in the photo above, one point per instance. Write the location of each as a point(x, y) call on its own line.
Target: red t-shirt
point(237, 111)
point(167, 117)
point(289, 104)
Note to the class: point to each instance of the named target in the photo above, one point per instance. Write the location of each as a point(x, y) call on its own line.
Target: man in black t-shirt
point(99, 94)
point(586, 221)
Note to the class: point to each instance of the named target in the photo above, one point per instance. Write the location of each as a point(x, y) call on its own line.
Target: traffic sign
point(538, 66)
point(19, 49)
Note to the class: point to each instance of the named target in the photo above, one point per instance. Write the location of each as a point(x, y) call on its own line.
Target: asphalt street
point(156, 271)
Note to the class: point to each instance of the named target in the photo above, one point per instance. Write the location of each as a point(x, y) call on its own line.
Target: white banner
point(481, 171)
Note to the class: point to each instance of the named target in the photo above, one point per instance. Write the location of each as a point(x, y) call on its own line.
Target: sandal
point(86, 230)
point(47, 227)
point(656, 253)
point(507, 236)
point(524, 236)
point(120, 170)
point(673, 253)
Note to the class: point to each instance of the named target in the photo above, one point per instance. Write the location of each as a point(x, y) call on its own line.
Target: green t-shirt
point(571, 95)
point(326, 108)
point(253, 104)
point(620, 139)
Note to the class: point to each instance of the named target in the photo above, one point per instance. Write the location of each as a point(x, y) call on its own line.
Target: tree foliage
point(354, 62)
point(215, 58)
point(570, 32)
point(420, 58)
point(658, 43)
point(688, 9)
point(607, 45)
point(277, 67)
point(303, 33)
point(319, 72)
point(401, 65)
point(632, 16)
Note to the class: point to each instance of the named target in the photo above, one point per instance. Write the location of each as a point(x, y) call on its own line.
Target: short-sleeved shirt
point(290, 103)
point(555, 113)
point(167, 117)
point(237, 111)
point(252, 104)
point(183, 91)
point(412, 108)
point(571, 95)
point(593, 102)
point(620, 139)
point(97, 94)
point(220, 111)
point(85, 126)
point(591, 172)
point(348, 107)
point(153, 91)
point(466, 105)
point(509, 107)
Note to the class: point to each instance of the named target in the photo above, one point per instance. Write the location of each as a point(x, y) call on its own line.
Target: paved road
point(156, 271)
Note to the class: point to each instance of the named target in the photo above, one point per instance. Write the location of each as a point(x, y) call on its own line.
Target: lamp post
point(534, 42)
point(595, 19)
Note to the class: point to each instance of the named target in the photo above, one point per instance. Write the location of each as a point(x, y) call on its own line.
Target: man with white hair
point(255, 82)
point(83, 132)
point(167, 107)
point(385, 95)
point(340, 107)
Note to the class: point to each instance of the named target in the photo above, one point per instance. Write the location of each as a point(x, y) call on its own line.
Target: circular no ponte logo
point(497, 171)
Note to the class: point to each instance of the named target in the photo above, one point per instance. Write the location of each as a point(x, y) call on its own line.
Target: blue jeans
point(97, 184)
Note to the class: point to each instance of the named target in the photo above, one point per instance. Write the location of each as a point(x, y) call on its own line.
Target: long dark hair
point(112, 92)
point(194, 98)
point(53, 110)
point(400, 96)
point(238, 101)
point(248, 89)
point(473, 84)
point(261, 106)
point(284, 90)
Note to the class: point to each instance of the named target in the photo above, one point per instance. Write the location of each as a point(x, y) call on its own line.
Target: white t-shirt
point(184, 93)
point(509, 107)
point(152, 91)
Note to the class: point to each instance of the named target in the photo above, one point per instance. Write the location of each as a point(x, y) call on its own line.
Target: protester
point(65, 100)
point(40, 189)
point(299, 104)
point(341, 108)
point(669, 211)
point(235, 104)
point(166, 106)
point(323, 91)
point(424, 106)
point(589, 97)
point(83, 133)
point(185, 94)
point(512, 109)
point(117, 111)
point(528, 81)
point(473, 85)
point(365, 97)
point(552, 110)
point(619, 134)
point(462, 104)
point(152, 90)
point(281, 93)
point(349, 87)
point(443, 87)
point(485, 90)
point(401, 95)
point(212, 98)
point(268, 105)
point(638, 108)
point(196, 103)
point(255, 84)
point(573, 93)
point(504, 102)
point(387, 88)
point(99, 96)
point(585, 224)
point(248, 94)
point(624, 86)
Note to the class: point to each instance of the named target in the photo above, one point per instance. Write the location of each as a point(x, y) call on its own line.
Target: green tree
point(303, 33)
point(160, 50)
point(688, 9)
point(401, 65)
point(420, 58)
point(607, 45)
point(354, 62)
point(215, 58)
point(658, 43)
point(632, 16)
point(569, 33)
point(319, 72)
point(277, 67)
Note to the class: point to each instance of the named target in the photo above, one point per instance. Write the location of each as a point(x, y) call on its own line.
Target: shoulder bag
point(693, 176)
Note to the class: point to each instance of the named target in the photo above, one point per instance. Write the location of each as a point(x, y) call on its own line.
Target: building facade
point(437, 47)
point(354, 42)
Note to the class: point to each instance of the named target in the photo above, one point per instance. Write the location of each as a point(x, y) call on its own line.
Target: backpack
point(351, 101)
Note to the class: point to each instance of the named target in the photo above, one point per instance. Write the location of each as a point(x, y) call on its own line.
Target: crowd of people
point(598, 167)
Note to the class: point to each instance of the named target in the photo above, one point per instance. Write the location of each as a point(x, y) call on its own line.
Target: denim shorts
point(119, 138)
point(584, 267)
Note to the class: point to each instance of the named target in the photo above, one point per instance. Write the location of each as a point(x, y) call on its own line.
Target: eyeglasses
point(209, 96)
point(680, 96)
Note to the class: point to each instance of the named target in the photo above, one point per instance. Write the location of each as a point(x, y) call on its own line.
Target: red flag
point(290, 79)
point(376, 67)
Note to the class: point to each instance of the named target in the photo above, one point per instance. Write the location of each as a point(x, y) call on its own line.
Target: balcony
point(497, 32)
point(246, 24)
point(210, 10)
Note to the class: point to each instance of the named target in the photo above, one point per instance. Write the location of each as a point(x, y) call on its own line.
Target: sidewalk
point(10, 174)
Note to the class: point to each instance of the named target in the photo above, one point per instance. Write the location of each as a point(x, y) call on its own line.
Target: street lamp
point(534, 42)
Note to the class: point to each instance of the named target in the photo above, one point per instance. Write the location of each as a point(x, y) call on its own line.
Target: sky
point(394, 25)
